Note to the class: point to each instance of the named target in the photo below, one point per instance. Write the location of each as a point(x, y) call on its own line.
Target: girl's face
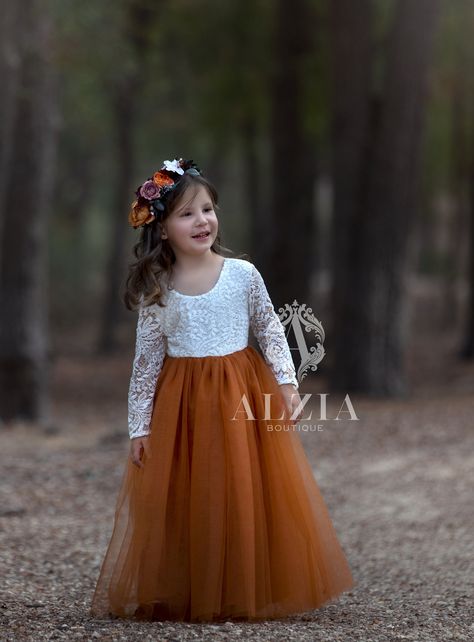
point(193, 215)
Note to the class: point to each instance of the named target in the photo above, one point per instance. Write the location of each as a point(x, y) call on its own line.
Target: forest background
point(340, 136)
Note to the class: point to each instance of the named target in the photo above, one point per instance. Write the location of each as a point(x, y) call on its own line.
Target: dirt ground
point(398, 483)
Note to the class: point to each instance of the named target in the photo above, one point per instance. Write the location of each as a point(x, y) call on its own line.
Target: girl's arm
point(269, 332)
point(150, 351)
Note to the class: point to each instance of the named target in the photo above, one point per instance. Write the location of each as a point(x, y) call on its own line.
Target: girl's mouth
point(204, 235)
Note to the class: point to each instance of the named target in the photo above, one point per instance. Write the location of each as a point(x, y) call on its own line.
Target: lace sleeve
point(269, 331)
point(150, 351)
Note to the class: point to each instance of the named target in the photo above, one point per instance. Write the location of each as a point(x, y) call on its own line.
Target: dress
point(225, 520)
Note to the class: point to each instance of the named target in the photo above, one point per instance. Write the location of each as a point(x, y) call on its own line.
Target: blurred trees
point(28, 150)
point(293, 155)
point(125, 92)
point(462, 174)
point(273, 101)
point(377, 146)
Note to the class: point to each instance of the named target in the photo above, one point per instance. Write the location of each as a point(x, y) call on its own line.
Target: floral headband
point(149, 203)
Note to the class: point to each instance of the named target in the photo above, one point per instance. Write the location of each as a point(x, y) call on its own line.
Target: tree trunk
point(9, 73)
point(351, 73)
point(259, 219)
point(370, 359)
point(467, 351)
point(124, 112)
point(125, 96)
point(24, 347)
point(459, 181)
point(291, 227)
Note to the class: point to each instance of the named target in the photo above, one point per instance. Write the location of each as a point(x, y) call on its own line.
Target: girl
point(218, 516)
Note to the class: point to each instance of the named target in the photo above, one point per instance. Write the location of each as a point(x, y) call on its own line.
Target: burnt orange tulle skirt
point(225, 520)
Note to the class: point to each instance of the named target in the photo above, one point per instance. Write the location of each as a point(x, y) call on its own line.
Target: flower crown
point(151, 195)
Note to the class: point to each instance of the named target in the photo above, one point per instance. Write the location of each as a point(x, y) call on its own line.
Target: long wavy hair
point(149, 274)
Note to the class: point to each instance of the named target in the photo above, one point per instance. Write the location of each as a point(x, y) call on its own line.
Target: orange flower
point(162, 179)
point(139, 215)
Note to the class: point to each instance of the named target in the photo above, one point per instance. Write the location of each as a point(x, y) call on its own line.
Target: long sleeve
point(150, 350)
point(269, 331)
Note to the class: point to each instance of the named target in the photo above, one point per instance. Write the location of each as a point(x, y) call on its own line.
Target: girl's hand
point(292, 399)
point(138, 446)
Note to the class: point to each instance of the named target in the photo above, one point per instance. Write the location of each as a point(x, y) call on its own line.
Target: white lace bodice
point(214, 323)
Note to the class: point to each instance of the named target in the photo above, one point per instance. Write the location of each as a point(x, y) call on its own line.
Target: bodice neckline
point(214, 287)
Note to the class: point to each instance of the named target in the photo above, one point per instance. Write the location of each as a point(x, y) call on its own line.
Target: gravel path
point(398, 484)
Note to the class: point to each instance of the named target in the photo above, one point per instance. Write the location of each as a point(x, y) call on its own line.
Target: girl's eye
point(207, 209)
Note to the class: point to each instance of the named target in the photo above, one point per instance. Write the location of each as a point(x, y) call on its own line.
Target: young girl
point(219, 515)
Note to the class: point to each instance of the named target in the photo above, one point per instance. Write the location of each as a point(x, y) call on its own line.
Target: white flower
point(173, 166)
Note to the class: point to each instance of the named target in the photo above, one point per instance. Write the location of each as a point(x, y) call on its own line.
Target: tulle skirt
point(225, 520)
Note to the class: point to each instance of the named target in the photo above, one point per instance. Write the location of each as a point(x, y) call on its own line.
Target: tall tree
point(293, 157)
point(24, 346)
point(369, 302)
point(467, 350)
point(9, 73)
point(125, 92)
point(353, 109)
point(459, 177)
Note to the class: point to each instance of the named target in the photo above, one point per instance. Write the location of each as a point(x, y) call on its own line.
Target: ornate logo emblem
point(298, 316)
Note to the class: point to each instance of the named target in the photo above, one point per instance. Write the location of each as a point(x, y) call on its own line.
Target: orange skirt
point(225, 520)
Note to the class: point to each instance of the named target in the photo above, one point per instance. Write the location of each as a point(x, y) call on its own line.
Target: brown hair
point(155, 257)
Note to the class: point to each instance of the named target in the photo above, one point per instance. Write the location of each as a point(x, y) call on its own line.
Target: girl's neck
point(198, 280)
point(188, 264)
